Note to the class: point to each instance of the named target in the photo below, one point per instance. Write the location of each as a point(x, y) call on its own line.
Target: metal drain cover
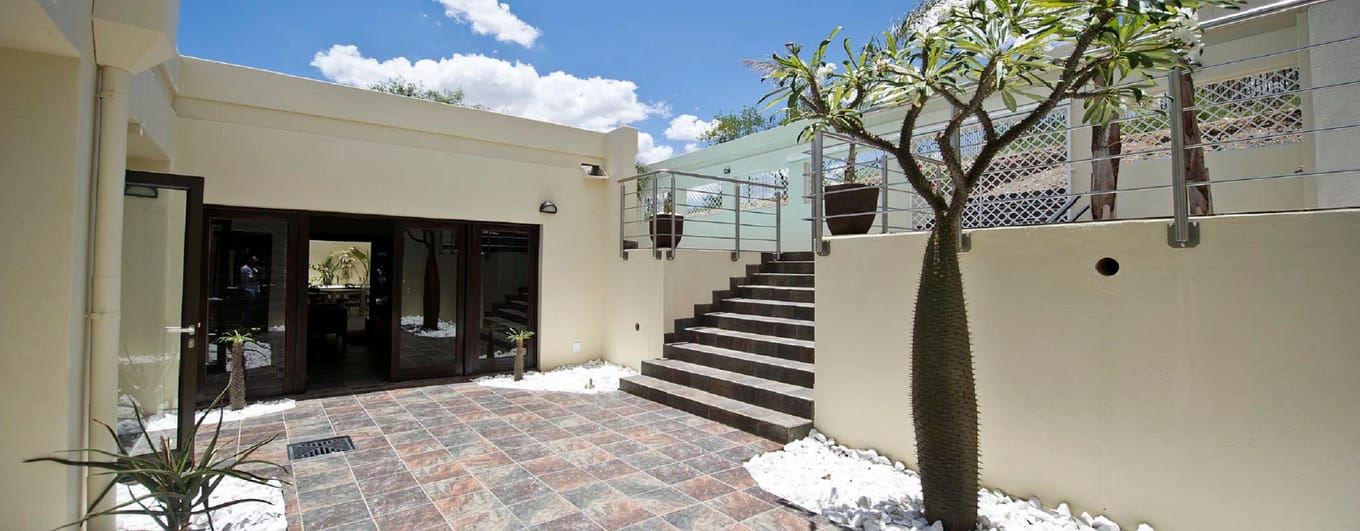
point(318, 447)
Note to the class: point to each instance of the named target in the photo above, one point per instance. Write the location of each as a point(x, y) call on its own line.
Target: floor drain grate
point(318, 447)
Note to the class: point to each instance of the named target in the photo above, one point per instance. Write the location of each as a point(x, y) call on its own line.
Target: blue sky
point(663, 67)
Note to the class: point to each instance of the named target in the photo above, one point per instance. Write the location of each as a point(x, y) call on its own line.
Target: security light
point(592, 170)
point(548, 207)
point(137, 190)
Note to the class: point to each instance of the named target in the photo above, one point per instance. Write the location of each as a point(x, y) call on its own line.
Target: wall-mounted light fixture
point(593, 170)
point(727, 170)
point(548, 207)
point(138, 190)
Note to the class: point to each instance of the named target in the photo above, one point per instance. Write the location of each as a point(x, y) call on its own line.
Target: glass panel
point(247, 291)
point(153, 295)
point(505, 292)
point(429, 299)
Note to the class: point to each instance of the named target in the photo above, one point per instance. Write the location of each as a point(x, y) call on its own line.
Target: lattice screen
point(1027, 182)
point(1238, 111)
point(754, 197)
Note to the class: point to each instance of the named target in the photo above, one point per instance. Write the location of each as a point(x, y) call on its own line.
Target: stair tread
point(766, 286)
point(772, 302)
point(782, 388)
point(771, 416)
point(755, 337)
point(763, 318)
point(787, 274)
point(748, 356)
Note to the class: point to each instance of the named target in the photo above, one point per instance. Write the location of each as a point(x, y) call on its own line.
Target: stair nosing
point(790, 390)
point(779, 340)
point(767, 286)
point(764, 318)
point(713, 400)
point(771, 302)
point(764, 359)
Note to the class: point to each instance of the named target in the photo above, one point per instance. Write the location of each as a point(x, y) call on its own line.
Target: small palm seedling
point(519, 337)
point(178, 485)
point(237, 386)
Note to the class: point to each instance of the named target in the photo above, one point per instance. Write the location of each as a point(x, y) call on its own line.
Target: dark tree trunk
point(943, 397)
point(1106, 147)
point(1196, 171)
point(430, 298)
point(519, 359)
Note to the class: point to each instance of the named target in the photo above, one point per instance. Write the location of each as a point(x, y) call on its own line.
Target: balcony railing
point(664, 211)
point(1266, 127)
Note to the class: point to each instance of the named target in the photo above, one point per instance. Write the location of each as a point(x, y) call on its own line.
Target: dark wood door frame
point(475, 305)
point(193, 303)
point(460, 234)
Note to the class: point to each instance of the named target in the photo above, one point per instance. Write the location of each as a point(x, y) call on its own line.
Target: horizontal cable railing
point(663, 211)
point(1263, 133)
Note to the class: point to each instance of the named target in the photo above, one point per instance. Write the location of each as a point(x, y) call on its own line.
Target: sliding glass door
point(504, 275)
point(429, 303)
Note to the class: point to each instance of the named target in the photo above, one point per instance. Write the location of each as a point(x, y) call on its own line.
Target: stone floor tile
point(663, 501)
point(704, 488)
point(513, 493)
point(568, 479)
point(739, 505)
point(542, 509)
point(335, 515)
point(737, 477)
point(420, 519)
point(617, 513)
point(674, 473)
point(577, 521)
point(384, 484)
point(452, 487)
point(698, 518)
point(609, 469)
point(397, 502)
point(635, 483)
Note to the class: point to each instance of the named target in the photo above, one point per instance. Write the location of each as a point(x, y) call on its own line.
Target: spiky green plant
point(179, 484)
point(967, 54)
point(237, 385)
point(348, 262)
point(519, 336)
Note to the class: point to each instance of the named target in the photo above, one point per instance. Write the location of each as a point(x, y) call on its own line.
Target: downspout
point(106, 270)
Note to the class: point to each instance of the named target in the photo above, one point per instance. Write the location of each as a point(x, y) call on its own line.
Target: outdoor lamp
point(548, 207)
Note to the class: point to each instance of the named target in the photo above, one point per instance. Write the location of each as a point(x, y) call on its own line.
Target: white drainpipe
point(106, 269)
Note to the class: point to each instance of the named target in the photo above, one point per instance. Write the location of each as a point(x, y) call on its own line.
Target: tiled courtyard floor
point(470, 457)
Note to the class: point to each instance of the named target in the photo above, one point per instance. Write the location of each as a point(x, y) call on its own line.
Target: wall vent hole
point(1107, 266)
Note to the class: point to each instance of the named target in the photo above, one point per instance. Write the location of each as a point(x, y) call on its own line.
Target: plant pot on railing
point(666, 230)
point(843, 201)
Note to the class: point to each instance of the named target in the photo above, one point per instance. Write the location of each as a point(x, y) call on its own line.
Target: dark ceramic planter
point(850, 198)
point(663, 226)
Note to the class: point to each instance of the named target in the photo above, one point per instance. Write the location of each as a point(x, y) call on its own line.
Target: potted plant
point(178, 484)
point(667, 227)
point(236, 387)
point(850, 205)
point(519, 337)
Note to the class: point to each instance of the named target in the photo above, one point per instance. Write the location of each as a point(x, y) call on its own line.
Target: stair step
point(799, 256)
point(768, 423)
point(785, 279)
point(501, 323)
point(772, 308)
point(781, 266)
point(511, 313)
point(779, 396)
point(762, 324)
point(778, 293)
point(758, 365)
point(779, 347)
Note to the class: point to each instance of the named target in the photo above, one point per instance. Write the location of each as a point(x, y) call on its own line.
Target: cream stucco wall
point(379, 154)
point(1205, 388)
point(46, 109)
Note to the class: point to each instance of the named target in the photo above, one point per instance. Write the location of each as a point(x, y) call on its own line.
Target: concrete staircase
point(745, 360)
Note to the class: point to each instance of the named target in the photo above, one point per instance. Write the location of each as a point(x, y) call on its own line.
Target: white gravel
point(239, 517)
point(860, 489)
point(413, 324)
point(588, 378)
point(170, 419)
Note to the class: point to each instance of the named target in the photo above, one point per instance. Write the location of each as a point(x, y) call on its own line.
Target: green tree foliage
point(411, 89)
point(733, 125)
point(964, 55)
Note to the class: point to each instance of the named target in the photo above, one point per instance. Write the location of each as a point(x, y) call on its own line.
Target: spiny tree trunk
point(236, 388)
point(1196, 171)
point(943, 397)
point(430, 297)
point(519, 359)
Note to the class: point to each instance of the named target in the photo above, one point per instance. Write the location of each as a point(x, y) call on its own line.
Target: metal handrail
point(777, 196)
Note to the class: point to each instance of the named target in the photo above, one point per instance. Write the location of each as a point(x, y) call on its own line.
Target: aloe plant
point(519, 337)
point(179, 485)
point(237, 384)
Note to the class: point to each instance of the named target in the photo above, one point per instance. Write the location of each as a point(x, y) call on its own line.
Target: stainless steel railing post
point(736, 224)
point(1179, 233)
point(623, 201)
point(818, 193)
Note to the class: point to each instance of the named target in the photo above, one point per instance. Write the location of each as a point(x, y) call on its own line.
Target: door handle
point(180, 330)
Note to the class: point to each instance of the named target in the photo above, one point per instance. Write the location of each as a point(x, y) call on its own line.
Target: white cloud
point(692, 147)
point(489, 17)
point(688, 128)
point(649, 151)
point(513, 88)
